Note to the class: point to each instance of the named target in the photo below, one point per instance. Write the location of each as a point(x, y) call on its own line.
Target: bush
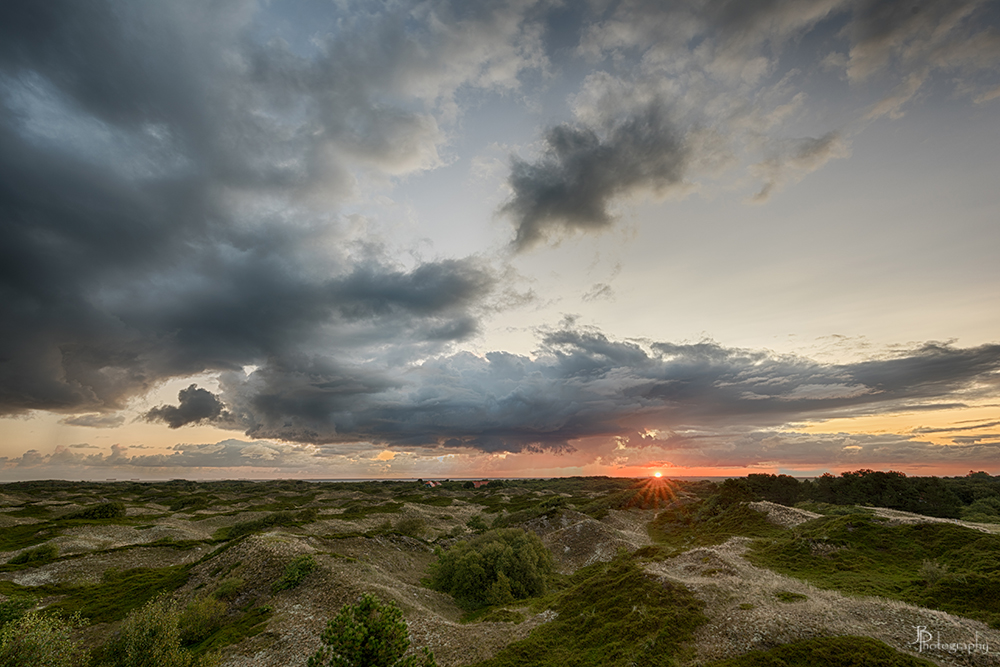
point(40, 640)
point(114, 510)
point(477, 523)
point(229, 588)
point(44, 553)
point(368, 634)
point(493, 568)
point(150, 637)
point(932, 572)
point(201, 618)
point(295, 572)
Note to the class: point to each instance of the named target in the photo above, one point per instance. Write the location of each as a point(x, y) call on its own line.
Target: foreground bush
point(368, 634)
point(497, 567)
point(40, 640)
point(150, 637)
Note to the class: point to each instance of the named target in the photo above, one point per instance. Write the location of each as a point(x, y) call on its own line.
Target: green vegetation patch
point(110, 510)
point(936, 565)
point(119, 593)
point(265, 522)
point(709, 522)
point(37, 556)
point(355, 511)
point(250, 623)
point(611, 614)
point(829, 652)
point(788, 596)
point(19, 537)
point(33, 511)
point(295, 572)
point(493, 568)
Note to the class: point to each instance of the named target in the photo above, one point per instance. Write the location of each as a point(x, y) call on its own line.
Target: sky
point(343, 240)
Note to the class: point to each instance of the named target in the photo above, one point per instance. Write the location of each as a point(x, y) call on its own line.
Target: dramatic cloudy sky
point(340, 239)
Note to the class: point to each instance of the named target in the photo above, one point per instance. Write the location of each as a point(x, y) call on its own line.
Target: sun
point(657, 474)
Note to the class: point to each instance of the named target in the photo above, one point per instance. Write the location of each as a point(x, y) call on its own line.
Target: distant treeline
point(974, 497)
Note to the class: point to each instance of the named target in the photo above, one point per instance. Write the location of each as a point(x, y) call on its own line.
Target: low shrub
point(229, 588)
point(295, 572)
point(497, 567)
point(111, 510)
point(150, 636)
point(42, 554)
point(40, 640)
point(201, 618)
point(370, 633)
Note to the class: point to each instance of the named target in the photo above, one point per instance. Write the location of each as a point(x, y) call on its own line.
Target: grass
point(611, 614)
point(936, 565)
point(118, 594)
point(704, 523)
point(37, 556)
point(19, 537)
point(827, 651)
point(248, 624)
point(263, 523)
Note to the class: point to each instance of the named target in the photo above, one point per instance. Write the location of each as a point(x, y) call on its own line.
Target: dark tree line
point(976, 494)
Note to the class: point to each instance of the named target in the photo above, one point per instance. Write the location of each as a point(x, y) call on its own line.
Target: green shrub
point(112, 510)
point(295, 572)
point(229, 588)
point(477, 523)
point(201, 618)
point(150, 637)
point(493, 568)
point(44, 553)
point(40, 640)
point(368, 634)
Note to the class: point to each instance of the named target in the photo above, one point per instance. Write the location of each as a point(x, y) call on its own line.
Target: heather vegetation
point(211, 565)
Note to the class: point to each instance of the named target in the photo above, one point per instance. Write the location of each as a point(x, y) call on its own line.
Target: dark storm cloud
point(195, 405)
point(153, 163)
point(582, 385)
point(581, 170)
